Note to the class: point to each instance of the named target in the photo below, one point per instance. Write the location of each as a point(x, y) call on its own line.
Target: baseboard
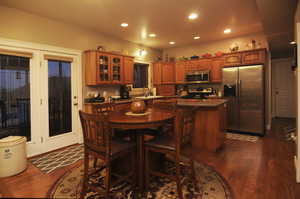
point(297, 170)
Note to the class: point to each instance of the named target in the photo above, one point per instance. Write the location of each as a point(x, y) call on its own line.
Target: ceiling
point(168, 19)
point(278, 23)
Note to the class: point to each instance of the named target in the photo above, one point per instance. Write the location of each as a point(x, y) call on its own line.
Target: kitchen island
point(210, 122)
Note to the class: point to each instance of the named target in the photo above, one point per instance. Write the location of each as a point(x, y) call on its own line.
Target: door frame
point(34, 146)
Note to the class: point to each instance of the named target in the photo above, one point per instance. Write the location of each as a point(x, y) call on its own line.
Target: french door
point(58, 100)
point(39, 98)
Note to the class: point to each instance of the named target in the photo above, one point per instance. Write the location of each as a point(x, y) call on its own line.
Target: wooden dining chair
point(173, 146)
point(98, 143)
point(165, 104)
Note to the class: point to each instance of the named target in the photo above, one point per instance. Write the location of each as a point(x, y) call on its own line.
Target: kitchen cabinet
point(216, 70)
point(157, 73)
point(167, 73)
point(233, 59)
point(249, 57)
point(165, 90)
point(128, 70)
point(103, 68)
point(254, 57)
point(180, 72)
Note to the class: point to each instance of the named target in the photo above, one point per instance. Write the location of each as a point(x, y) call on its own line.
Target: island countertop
point(201, 102)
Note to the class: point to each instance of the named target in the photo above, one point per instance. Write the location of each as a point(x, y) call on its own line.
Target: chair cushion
point(118, 146)
point(163, 142)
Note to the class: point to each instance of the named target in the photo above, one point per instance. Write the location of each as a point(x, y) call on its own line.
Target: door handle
point(75, 104)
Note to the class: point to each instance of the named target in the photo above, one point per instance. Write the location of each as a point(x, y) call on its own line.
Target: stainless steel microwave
point(198, 77)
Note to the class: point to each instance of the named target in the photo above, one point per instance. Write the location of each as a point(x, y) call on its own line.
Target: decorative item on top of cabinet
point(216, 70)
point(128, 69)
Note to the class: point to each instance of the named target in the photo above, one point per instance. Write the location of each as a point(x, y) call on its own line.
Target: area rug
point(241, 137)
point(211, 185)
point(57, 159)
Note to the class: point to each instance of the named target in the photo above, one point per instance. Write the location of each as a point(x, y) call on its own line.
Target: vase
point(138, 106)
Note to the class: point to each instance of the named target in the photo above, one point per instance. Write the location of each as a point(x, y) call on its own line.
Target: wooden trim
point(16, 53)
point(58, 58)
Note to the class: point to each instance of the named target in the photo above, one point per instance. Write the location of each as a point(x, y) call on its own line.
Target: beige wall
point(23, 26)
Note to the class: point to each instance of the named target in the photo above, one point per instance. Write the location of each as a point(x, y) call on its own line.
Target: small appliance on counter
point(95, 99)
point(124, 92)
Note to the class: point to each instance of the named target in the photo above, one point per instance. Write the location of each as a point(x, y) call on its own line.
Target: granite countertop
point(201, 103)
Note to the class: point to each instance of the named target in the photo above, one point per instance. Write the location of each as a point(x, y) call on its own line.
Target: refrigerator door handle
point(237, 89)
point(240, 87)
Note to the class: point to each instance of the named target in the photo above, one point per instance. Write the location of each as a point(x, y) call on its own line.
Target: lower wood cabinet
point(165, 90)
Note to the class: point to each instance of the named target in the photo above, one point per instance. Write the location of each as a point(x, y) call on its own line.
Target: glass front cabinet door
point(116, 68)
point(103, 64)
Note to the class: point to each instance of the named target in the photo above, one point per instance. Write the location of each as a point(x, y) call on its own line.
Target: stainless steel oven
point(198, 77)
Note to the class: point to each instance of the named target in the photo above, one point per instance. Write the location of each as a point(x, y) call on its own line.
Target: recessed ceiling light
point(152, 35)
point(292, 42)
point(124, 24)
point(172, 42)
point(193, 16)
point(196, 37)
point(227, 31)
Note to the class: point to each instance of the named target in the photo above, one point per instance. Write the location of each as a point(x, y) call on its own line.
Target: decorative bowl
point(138, 106)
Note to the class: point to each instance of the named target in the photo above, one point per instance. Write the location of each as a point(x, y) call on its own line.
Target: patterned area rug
point(211, 184)
point(241, 137)
point(56, 159)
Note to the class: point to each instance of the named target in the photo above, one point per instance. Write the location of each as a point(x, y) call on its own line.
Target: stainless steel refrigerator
point(244, 89)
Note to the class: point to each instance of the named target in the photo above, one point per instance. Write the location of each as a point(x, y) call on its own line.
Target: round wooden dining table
point(155, 118)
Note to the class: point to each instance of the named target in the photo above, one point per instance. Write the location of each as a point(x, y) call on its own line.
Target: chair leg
point(85, 175)
point(107, 180)
point(95, 162)
point(179, 187)
point(133, 169)
point(193, 174)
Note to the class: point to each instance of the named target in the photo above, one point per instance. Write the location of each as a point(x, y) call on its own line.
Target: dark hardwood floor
point(261, 170)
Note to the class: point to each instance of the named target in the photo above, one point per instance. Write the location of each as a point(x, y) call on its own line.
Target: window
point(140, 75)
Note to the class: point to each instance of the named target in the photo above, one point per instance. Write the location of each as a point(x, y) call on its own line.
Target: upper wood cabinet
point(249, 57)
point(128, 70)
point(254, 57)
point(233, 59)
point(168, 73)
point(157, 73)
point(107, 68)
point(180, 72)
point(163, 73)
point(216, 70)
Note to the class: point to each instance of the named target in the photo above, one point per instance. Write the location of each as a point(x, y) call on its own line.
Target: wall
point(23, 26)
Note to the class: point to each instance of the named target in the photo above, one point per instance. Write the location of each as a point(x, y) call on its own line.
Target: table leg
point(141, 162)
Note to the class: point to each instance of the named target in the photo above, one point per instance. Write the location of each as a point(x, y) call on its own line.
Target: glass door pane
point(116, 69)
point(15, 96)
point(59, 96)
point(104, 68)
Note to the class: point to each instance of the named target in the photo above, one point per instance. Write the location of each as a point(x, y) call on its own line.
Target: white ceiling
point(166, 18)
